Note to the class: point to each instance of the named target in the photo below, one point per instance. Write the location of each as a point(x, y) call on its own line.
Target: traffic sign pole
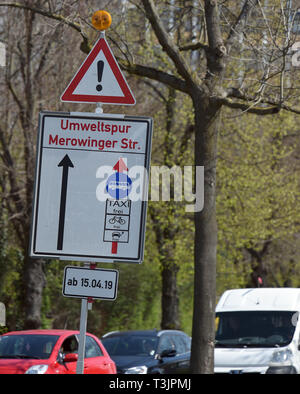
point(99, 80)
point(87, 283)
point(82, 335)
point(82, 330)
point(84, 301)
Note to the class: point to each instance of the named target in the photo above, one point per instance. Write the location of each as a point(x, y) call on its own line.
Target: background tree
point(32, 62)
point(256, 205)
point(209, 90)
point(258, 82)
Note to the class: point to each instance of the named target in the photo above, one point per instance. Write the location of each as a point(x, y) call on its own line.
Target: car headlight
point(141, 369)
point(281, 363)
point(37, 369)
point(282, 357)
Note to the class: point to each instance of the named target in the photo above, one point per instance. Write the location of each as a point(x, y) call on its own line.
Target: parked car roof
point(43, 331)
point(153, 332)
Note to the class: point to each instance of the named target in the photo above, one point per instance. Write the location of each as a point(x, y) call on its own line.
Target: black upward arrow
point(65, 163)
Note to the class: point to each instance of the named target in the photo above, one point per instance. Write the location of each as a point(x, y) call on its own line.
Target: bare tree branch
point(249, 107)
point(236, 93)
point(166, 42)
point(193, 47)
point(155, 74)
point(84, 45)
point(240, 22)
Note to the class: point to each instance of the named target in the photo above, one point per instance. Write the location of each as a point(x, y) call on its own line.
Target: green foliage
point(258, 190)
point(3, 330)
point(258, 173)
point(11, 287)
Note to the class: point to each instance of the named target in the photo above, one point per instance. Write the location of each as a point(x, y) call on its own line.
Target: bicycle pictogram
point(117, 219)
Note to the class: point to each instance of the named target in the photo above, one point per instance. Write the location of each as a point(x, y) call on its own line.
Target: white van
point(257, 331)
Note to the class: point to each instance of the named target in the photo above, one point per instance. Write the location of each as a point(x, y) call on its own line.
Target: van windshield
point(255, 328)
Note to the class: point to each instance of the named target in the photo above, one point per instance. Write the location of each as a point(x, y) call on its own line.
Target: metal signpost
point(91, 181)
point(86, 283)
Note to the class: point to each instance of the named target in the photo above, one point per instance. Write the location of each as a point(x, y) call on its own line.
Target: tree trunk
point(170, 300)
point(169, 269)
point(202, 357)
point(34, 283)
point(259, 274)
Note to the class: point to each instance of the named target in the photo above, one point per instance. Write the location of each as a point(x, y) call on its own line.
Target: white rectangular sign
point(2, 314)
point(91, 187)
point(95, 283)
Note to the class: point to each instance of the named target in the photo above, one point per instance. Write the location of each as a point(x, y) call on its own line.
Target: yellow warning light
point(101, 20)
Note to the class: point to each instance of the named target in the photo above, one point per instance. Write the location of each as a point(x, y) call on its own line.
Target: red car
point(51, 352)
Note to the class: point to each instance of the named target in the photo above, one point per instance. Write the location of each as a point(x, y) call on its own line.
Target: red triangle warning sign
point(99, 79)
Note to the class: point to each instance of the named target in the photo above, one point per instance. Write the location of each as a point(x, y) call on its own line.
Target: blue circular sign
point(118, 185)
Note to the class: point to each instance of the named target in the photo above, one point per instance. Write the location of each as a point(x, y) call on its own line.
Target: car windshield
point(135, 345)
point(27, 346)
point(255, 328)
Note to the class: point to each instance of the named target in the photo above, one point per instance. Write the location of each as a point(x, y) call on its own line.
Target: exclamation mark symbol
point(100, 67)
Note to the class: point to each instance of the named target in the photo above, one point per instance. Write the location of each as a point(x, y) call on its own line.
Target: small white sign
point(83, 282)
point(2, 314)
